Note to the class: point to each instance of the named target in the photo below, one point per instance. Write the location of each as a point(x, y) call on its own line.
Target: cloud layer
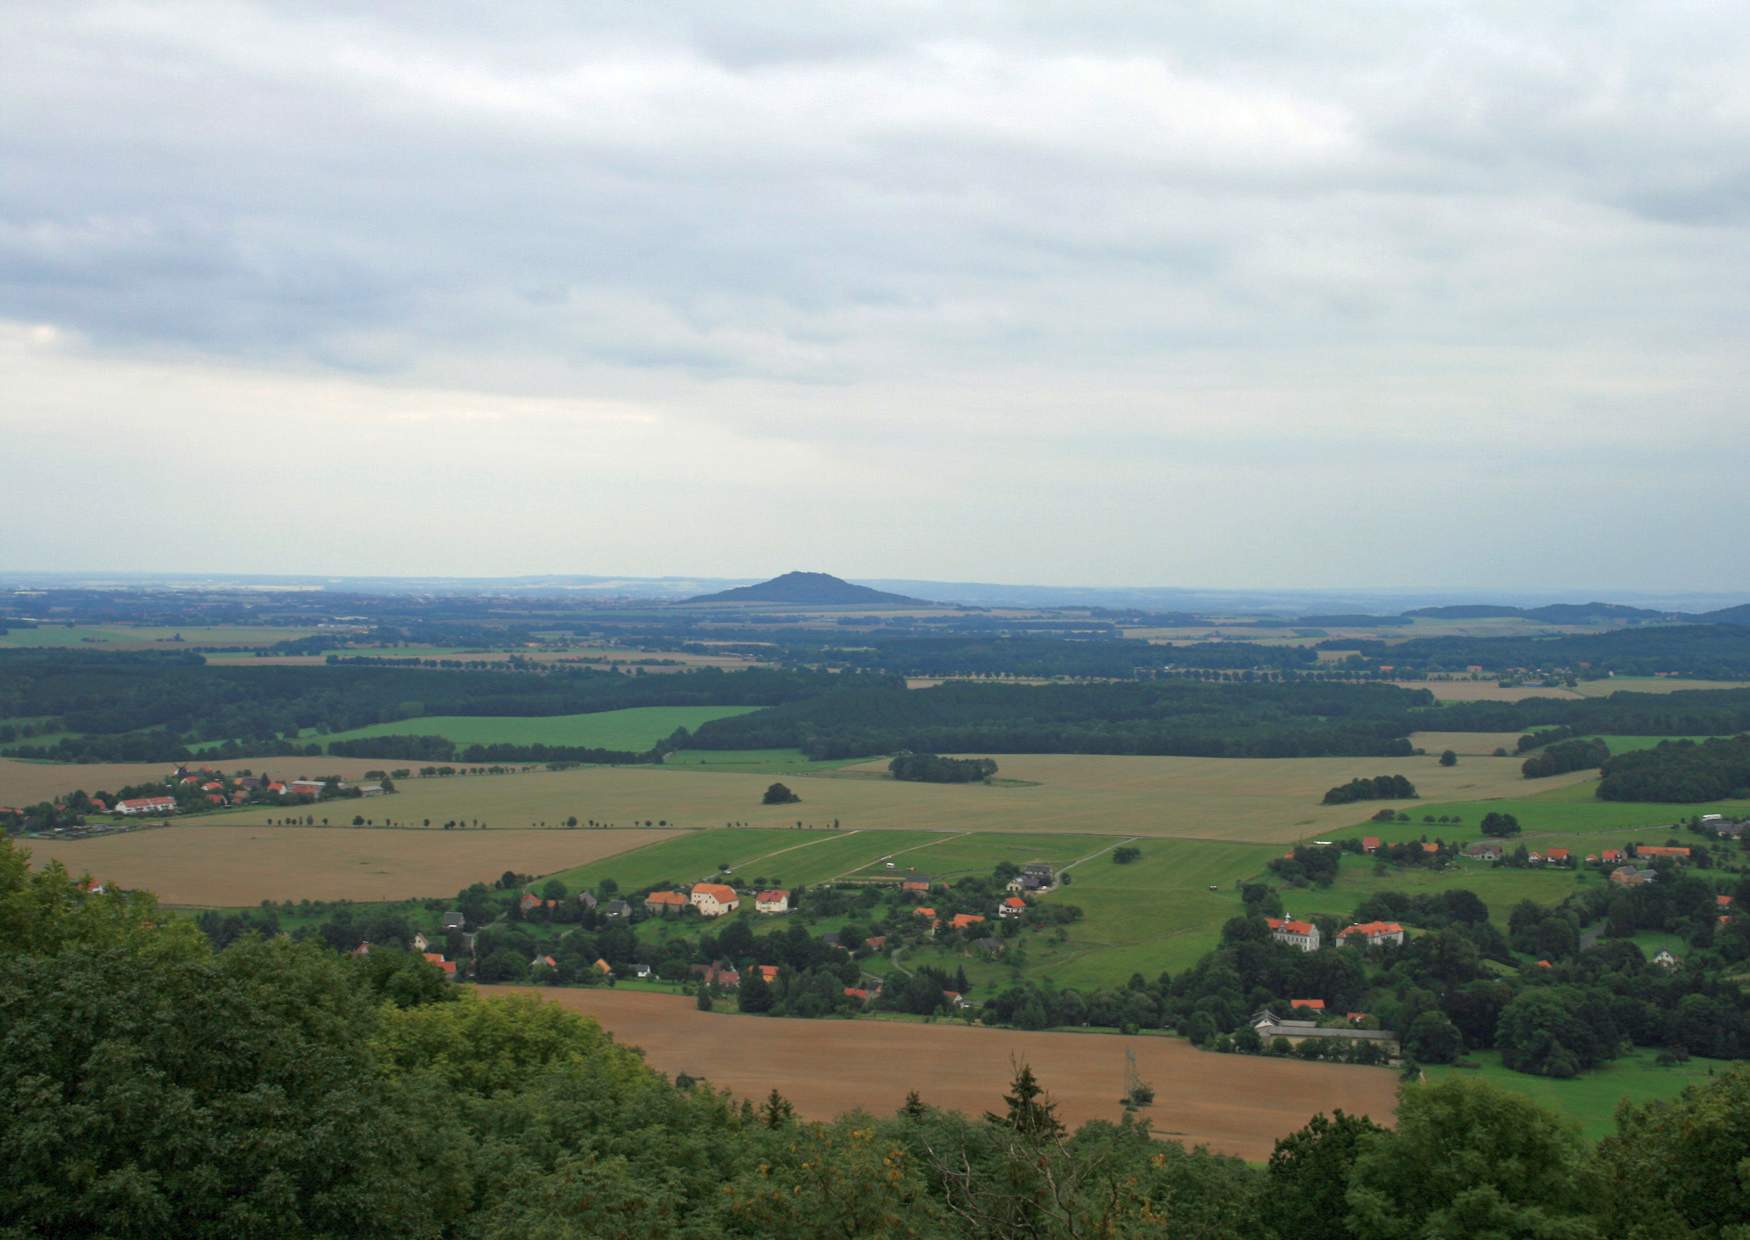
point(1219, 294)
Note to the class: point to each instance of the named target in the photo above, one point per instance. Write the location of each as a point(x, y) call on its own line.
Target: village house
point(548, 961)
point(305, 788)
point(923, 911)
point(1486, 850)
point(955, 999)
point(1557, 856)
point(1659, 850)
point(665, 902)
point(723, 974)
point(857, 993)
point(453, 920)
point(529, 902)
point(603, 967)
point(1039, 870)
point(1370, 843)
point(915, 883)
point(1270, 1027)
point(768, 973)
point(876, 942)
point(714, 899)
point(639, 971)
point(420, 942)
point(962, 920)
point(616, 908)
point(1301, 934)
point(1312, 1005)
point(1632, 876)
point(587, 899)
point(1012, 906)
point(1665, 960)
point(772, 902)
point(1371, 933)
point(1612, 856)
point(146, 805)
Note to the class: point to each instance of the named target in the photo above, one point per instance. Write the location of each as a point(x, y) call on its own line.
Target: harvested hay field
point(26, 783)
point(1235, 1104)
point(1483, 691)
point(1465, 744)
point(1253, 799)
point(228, 867)
point(1652, 684)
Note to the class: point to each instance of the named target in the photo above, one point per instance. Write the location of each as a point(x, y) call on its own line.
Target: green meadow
point(1571, 816)
point(1591, 1098)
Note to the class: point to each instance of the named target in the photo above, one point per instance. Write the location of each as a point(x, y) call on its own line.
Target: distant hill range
point(1584, 613)
point(810, 590)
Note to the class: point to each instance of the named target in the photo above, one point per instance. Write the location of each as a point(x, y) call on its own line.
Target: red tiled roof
point(856, 992)
point(1650, 850)
point(1302, 928)
point(1317, 1005)
point(1369, 842)
point(921, 911)
point(666, 897)
point(1371, 928)
point(717, 891)
point(768, 972)
point(962, 920)
point(1722, 901)
point(1014, 902)
point(771, 897)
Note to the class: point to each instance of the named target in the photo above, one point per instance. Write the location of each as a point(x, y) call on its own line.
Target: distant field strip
point(1258, 799)
point(238, 866)
point(635, 728)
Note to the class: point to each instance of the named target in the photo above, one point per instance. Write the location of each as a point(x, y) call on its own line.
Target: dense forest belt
point(1709, 651)
point(1680, 771)
point(152, 707)
point(1188, 718)
point(1184, 718)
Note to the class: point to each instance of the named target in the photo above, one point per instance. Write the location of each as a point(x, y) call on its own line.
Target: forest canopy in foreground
point(157, 1087)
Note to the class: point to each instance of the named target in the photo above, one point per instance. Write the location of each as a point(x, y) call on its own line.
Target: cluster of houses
point(714, 900)
point(1303, 1025)
point(216, 788)
point(1307, 937)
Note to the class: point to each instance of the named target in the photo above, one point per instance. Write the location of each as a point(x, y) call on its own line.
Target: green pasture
point(978, 852)
point(1499, 887)
point(636, 728)
point(1570, 816)
point(1628, 744)
point(1591, 1098)
point(132, 636)
point(693, 856)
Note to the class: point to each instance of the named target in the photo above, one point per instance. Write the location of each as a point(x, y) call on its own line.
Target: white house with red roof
point(146, 805)
point(715, 899)
point(1372, 933)
point(1301, 934)
point(772, 902)
point(1012, 906)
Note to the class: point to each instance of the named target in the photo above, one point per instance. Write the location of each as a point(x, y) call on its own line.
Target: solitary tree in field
point(1449, 758)
point(778, 794)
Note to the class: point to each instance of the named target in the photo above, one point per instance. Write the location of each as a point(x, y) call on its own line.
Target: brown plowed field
point(237, 866)
point(1236, 1104)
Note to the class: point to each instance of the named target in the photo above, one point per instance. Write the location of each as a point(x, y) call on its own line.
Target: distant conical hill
point(810, 590)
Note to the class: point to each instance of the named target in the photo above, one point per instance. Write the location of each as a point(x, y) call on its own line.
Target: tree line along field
point(1273, 800)
point(1237, 1105)
point(634, 728)
point(149, 637)
point(26, 782)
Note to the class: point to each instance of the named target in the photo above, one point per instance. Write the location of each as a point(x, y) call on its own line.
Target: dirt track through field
point(241, 866)
point(1237, 1104)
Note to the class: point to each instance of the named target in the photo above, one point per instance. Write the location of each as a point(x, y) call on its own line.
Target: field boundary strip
point(940, 839)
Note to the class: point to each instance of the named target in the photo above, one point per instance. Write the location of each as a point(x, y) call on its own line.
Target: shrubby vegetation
point(929, 768)
point(1564, 756)
point(1379, 788)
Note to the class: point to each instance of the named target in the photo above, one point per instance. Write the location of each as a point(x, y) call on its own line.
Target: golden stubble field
point(1255, 800)
point(237, 866)
point(1236, 1104)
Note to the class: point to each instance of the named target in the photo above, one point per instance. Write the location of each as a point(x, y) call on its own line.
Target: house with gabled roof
point(1371, 933)
point(773, 901)
point(1301, 934)
point(962, 920)
point(714, 899)
point(1012, 906)
point(664, 902)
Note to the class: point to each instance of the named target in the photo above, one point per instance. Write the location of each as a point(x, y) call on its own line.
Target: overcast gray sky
point(1393, 294)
